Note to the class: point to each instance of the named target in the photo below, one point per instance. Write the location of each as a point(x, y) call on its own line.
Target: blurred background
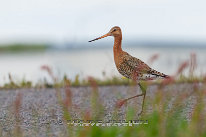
point(56, 33)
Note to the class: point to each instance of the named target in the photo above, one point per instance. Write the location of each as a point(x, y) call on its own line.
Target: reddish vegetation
point(193, 63)
point(93, 83)
point(153, 58)
point(68, 98)
point(48, 69)
point(17, 103)
point(183, 66)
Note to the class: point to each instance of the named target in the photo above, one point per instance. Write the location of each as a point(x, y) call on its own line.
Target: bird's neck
point(117, 49)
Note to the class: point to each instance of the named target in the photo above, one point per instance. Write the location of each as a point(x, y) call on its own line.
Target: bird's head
point(115, 31)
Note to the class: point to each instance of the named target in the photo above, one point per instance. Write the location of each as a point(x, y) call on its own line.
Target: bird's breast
point(122, 66)
point(125, 70)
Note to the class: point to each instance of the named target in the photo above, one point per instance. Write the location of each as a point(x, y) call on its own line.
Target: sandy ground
point(41, 113)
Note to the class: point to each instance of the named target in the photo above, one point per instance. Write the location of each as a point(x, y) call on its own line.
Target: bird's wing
point(135, 63)
point(141, 70)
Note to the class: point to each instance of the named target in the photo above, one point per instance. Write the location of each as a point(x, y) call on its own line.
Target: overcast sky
point(79, 20)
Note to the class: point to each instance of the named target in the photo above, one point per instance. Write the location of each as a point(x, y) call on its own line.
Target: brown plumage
point(128, 65)
point(136, 69)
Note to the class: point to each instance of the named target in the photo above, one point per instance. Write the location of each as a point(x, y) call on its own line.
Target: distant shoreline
point(165, 44)
point(23, 47)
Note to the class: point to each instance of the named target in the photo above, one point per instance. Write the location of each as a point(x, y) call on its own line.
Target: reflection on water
point(91, 62)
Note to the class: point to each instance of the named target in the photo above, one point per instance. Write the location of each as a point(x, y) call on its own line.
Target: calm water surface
point(91, 62)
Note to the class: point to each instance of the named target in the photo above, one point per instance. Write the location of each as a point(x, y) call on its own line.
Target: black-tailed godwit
point(129, 66)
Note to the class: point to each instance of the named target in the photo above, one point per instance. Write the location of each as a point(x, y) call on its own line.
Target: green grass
point(12, 84)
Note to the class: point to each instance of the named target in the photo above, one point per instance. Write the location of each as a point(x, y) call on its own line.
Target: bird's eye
point(114, 30)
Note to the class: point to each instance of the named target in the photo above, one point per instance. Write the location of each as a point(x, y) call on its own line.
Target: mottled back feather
point(136, 69)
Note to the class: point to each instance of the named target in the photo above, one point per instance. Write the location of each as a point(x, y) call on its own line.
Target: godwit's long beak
point(108, 34)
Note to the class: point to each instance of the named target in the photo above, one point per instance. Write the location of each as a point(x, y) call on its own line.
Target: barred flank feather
point(158, 74)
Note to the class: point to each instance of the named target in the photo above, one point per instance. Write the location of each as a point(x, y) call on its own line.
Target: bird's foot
point(120, 103)
point(140, 113)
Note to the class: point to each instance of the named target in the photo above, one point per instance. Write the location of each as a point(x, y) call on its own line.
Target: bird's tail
point(158, 74)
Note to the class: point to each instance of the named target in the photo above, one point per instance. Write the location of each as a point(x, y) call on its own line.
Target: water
point(91, 62)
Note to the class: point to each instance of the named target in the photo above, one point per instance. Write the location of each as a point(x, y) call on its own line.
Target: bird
point(129, 66)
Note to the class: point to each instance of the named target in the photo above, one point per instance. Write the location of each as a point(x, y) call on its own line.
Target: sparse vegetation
point(85, 82)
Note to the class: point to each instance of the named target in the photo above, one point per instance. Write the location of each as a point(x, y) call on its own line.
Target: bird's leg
point(143, 88)
point(134, 97)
